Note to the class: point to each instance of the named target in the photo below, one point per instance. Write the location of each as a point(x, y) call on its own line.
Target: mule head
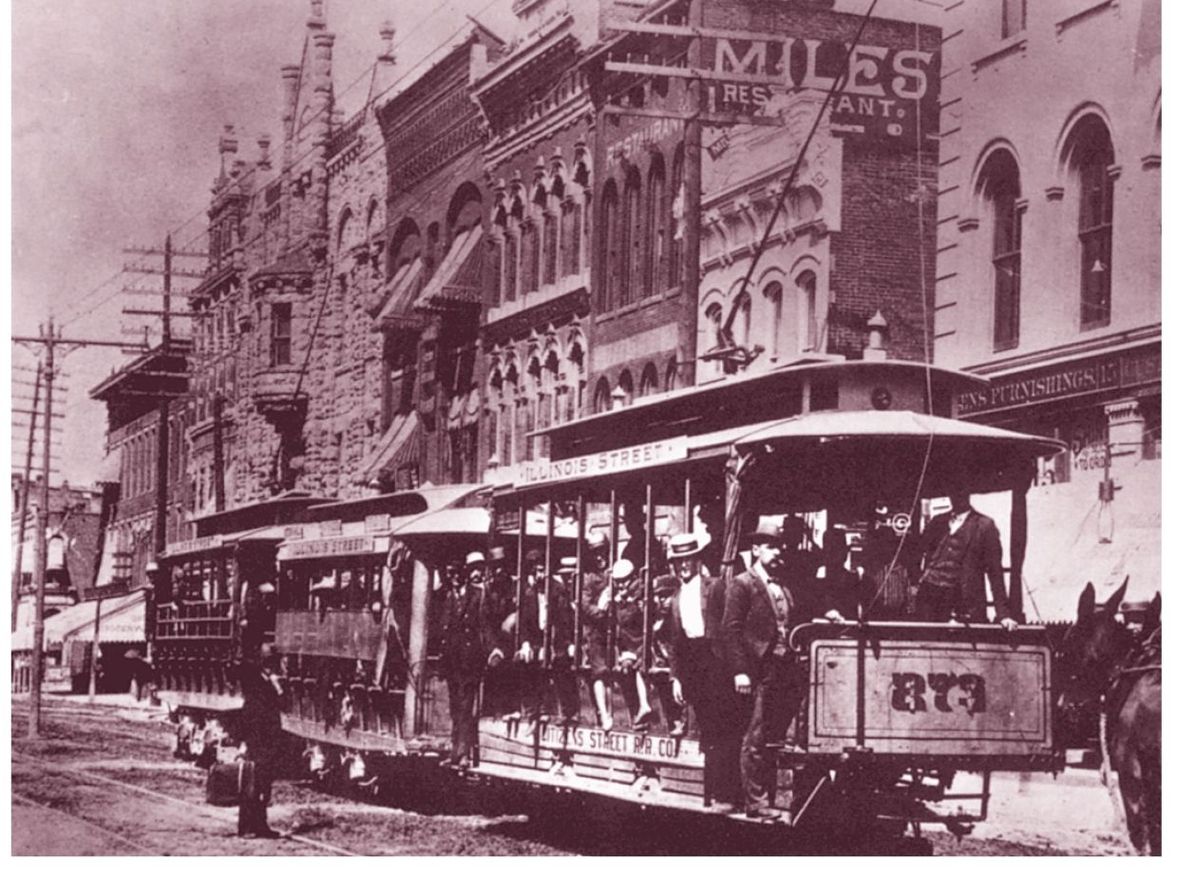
point(1091, 648)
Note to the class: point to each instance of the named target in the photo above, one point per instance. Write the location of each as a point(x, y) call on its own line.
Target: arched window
point(606, 287)
point(675, 228)
point(601, 396)
point(631, 243)
point(1090, 159)
point(625, 386)
point(1001, 190)
point(774, 294)
point(510, 263)
point(714, 316)
point(807, 297)
point(655, 233)
point(570, 234)
point(672, 374)
point(576, 382)
point(529, 256)
point(649, 382)
point(507, 416)
point(742, 325)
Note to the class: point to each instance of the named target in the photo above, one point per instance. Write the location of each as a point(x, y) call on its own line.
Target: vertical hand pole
point(648, 581)
point(42, 542)
point(519, 575)
point(577, 617)
point(547, 637)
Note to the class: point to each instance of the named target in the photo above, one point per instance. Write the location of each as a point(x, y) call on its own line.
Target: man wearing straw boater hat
point(758, 611)
point(691, 634)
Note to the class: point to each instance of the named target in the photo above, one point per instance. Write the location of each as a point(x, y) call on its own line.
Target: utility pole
point(48, 338)
point(18, 573)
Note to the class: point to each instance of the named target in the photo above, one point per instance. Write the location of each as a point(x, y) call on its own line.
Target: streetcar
point(214, 600)
point(895, 711)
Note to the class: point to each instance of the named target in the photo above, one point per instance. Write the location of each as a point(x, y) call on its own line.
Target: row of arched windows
point(542, 388)
point(1088, 160)
point(640, 238)
point(651, 380)
point(539, 237)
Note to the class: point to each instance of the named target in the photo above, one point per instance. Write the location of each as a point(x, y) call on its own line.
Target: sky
point(117, 106)
point(116, 109)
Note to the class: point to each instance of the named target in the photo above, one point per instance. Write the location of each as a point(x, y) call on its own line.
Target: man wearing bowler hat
point(758, 611)
point(691, 635)
point(467, 645)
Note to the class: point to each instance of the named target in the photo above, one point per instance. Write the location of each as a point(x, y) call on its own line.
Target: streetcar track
point(188, 805)
point(20, 798)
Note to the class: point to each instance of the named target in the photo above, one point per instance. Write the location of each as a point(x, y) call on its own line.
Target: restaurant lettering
point(878, 99)
point(600, 463)
point(1116, 371)
point(653, 133)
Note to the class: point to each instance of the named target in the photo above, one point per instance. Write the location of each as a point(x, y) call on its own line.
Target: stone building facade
point(1049, 265)
point(539, 172)
point(428, 311)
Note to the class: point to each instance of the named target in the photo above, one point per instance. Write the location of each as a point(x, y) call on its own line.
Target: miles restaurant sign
point(884, 85)
point(1107, 373)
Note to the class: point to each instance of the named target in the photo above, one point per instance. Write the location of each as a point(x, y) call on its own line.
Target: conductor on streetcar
point(961, 549)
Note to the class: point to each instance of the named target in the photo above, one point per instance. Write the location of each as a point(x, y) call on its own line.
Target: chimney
point(290, 77)
point(876, 345)
point(263, 145)
point(383, 75)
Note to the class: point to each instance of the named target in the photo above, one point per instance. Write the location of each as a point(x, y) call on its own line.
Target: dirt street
point(101, 781)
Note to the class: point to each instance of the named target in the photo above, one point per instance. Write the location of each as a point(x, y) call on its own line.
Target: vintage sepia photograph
point(585, 427)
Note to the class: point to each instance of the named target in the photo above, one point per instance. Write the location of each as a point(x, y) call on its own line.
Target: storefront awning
point(122, 619)
point(398, 446)
point(398, 308)
point(458, 280)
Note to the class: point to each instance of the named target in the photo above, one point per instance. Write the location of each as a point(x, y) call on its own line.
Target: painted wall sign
point(760, 77)
point(653, 133)
point(628, 458)
point(1061, 381)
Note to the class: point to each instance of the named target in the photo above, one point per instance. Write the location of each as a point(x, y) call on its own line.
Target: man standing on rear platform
point(466, 647)
point(962, 548)
point(756, 619)
point(691, 634)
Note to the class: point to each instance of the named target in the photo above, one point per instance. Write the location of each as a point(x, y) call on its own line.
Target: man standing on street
point(261, 732)
point(756, 619)
point(691, 634)
point(962, 548)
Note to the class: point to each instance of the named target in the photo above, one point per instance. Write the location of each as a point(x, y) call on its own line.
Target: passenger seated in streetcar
point(961, 549)
point(595, 602)
point(543, 669)
point(630, 619)
point(500, 691)
point(665, 588)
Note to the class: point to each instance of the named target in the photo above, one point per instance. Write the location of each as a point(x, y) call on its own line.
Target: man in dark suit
point(691, 636)
point(758, 611)
point(546, 634)
point(261, 732)
point(962, 548)
point(467, 644)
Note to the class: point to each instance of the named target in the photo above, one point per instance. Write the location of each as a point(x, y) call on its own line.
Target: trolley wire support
point(52, 345)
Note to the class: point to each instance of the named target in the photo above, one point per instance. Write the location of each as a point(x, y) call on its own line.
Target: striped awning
point(398, 446)
point(458, 280)
point(398, 308)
